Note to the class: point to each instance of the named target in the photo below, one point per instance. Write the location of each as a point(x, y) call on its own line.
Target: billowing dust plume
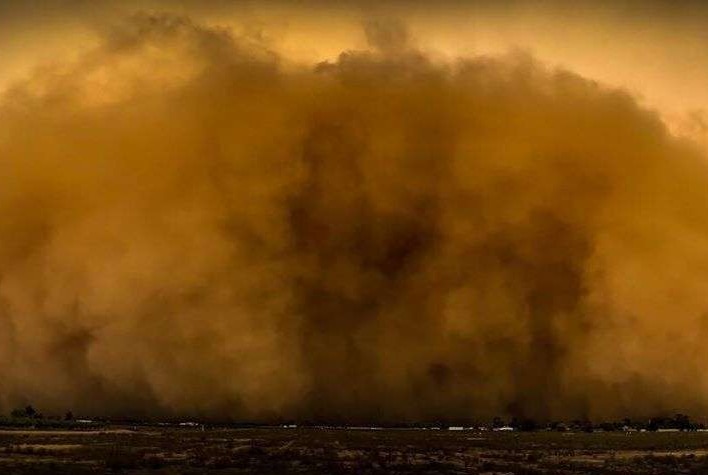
point(191, 225)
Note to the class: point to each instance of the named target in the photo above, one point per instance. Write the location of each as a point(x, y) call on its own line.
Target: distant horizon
point(472, 423)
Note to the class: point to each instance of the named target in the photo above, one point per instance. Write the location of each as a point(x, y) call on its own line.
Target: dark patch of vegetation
point(29, 417)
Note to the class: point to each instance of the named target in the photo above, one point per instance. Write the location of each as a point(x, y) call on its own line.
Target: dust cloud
point(191, 224)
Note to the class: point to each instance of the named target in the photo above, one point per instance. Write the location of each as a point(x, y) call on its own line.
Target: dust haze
point(191, 224)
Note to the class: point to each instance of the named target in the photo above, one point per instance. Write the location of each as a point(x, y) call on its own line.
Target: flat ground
point(309, 450)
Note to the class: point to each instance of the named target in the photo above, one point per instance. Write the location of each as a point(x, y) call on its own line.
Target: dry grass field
point(171, 450)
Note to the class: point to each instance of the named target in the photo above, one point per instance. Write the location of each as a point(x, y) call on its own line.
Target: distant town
point(29, 417)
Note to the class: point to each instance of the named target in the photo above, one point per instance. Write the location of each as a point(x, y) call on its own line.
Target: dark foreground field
point(309, 450)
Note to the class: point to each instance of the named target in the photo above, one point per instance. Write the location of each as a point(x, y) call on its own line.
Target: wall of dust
point(191, 224)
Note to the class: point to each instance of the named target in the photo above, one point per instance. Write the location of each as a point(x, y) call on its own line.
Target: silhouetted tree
point(681, 421)
point(656, 423)
point(528, 425)
point(524, 424)
point(28, 412)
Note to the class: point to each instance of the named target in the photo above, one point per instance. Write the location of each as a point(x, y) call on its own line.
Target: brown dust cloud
point(191, 224)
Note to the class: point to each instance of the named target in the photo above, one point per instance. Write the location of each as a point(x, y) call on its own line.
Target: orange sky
point(656, 50)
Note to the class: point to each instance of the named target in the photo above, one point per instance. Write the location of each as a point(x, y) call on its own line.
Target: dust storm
point(193, 224)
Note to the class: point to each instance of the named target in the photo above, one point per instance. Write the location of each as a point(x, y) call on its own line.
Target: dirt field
point(309, 450)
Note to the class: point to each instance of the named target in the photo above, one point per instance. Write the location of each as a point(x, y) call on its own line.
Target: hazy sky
point(654, 49)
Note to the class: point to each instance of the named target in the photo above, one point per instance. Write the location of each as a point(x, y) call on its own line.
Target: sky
point(354, 211)
point(653, 49)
